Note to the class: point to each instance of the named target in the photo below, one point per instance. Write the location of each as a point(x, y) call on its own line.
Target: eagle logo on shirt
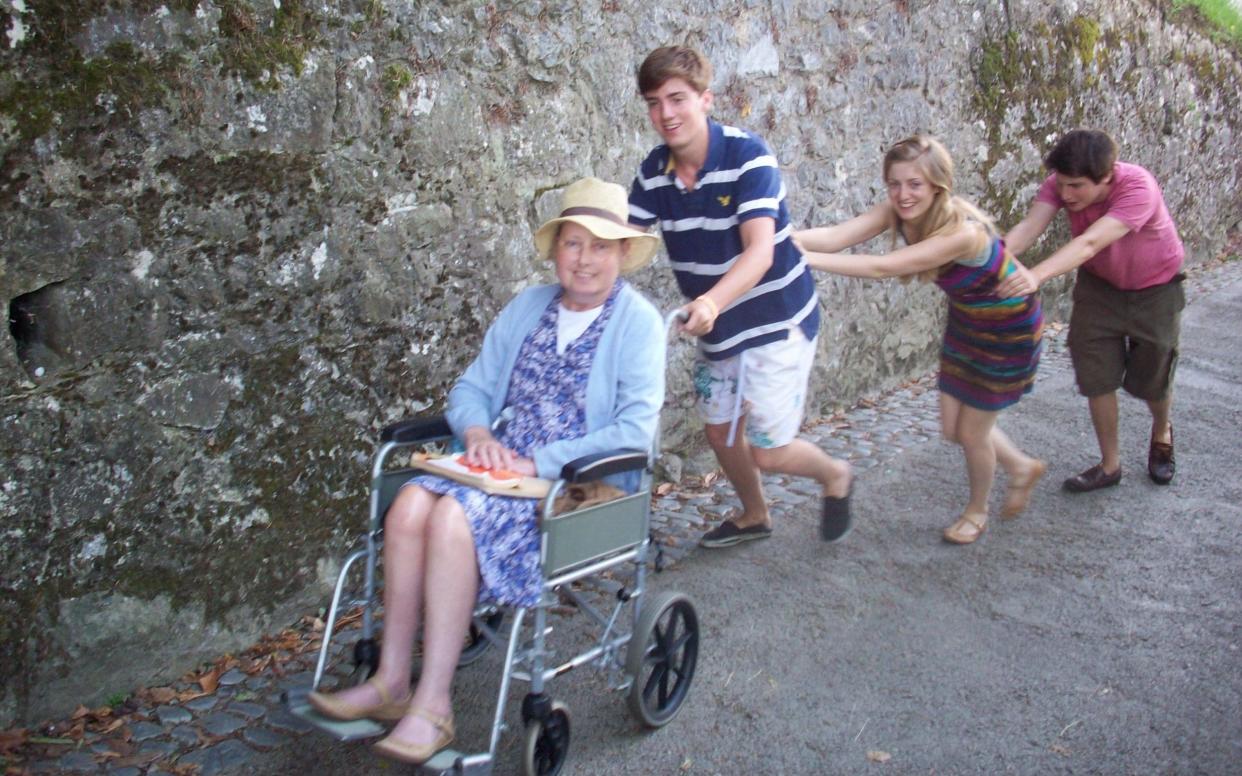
point(724, 201)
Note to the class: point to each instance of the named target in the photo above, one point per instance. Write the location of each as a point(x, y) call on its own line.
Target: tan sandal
point(417, 754)
point(958, 533)
point(387, 709)
point(1019, 494)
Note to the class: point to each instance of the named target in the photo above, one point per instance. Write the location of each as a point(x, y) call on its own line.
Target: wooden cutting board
point(447, 467)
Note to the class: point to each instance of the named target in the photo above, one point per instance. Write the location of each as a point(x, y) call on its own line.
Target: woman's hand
point(524, 466)
point(483, 449)
point(1020, 282)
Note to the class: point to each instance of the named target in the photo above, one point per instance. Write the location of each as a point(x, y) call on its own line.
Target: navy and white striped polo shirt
point(740, 180)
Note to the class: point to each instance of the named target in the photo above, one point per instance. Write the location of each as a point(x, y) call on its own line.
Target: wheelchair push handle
point(674, 317)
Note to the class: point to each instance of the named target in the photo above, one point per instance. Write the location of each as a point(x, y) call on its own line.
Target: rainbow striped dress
point(991, 345)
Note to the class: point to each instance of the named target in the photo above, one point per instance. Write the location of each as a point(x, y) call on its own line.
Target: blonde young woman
point(991, 344)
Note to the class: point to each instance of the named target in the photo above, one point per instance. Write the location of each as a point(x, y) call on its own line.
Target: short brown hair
point(669, 62)
point(1083, 153)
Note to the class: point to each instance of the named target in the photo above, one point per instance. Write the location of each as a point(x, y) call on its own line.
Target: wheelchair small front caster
point(476, 643)
point(475, 647)
point(366, 661)
point(547, 742)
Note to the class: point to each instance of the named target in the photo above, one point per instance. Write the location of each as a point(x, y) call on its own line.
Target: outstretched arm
point(1030, 228)
point(1074, 253)
point(927, 254)
point(833, 239)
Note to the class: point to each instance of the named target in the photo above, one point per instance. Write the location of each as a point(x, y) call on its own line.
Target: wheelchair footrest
point(448, 762)
point(354, 730)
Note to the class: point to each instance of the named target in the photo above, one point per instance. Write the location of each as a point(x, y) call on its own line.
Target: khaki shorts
point(773, 380)
point(1125, 339)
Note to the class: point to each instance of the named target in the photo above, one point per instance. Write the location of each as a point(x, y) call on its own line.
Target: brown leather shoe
point(1092, 479)
point(1160, 464)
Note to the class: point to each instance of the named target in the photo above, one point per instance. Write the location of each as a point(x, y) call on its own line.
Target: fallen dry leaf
point(210, 680)
point(349, 617)
point(13, 738)
point(709, 478)
point(878, 756)
point(137, 760)
point(161, 695)
point(123, 748)
point(182, 769)
point(664, 488)
point(1060, 750)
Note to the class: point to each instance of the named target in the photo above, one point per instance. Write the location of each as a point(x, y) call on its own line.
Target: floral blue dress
point(547, 399)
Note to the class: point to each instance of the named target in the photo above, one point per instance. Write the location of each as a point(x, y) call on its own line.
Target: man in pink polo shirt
point(1128, 295)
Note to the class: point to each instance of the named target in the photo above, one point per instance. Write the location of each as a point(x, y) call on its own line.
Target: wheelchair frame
point(662, 637)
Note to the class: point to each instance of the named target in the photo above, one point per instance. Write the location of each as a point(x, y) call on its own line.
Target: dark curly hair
point(1083, 153)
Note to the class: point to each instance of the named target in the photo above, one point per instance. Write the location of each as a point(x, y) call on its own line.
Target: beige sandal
point(417, 754)
point(958, 533)
point(387, 709)
point(1019, 493)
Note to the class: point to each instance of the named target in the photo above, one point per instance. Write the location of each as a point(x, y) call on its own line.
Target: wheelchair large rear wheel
point(547, 743)
point(661, 657)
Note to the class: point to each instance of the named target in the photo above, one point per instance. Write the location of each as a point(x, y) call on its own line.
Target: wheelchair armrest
point(420, 429)
point(600, 465)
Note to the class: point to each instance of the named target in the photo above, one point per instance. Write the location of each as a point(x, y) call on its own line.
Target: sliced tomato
point(473, 468)
point(496, 474)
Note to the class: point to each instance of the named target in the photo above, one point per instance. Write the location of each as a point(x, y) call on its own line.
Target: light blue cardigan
point(625, 388)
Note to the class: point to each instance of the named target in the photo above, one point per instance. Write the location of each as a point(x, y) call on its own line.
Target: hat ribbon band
point(598, 212)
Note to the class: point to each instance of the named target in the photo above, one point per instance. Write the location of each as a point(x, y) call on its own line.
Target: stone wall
point(239, 236)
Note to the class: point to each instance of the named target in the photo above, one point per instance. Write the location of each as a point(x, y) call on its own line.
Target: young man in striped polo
point(717, 195)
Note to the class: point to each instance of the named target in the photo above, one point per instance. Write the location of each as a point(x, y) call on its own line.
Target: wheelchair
point(647, 644)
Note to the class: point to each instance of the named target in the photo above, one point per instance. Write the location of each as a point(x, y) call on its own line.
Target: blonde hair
point(948, 212)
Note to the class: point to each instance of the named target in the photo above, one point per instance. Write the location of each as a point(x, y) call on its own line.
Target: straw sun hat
point(603, 209)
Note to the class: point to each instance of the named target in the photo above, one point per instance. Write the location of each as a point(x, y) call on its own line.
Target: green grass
point(1222, 13)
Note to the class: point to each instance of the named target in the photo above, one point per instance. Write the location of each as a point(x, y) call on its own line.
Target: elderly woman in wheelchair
point(575, 368)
